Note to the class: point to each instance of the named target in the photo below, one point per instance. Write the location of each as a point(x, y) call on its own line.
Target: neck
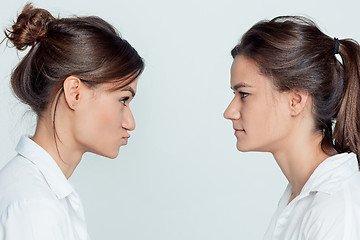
point(62, 151)
point(299, 159)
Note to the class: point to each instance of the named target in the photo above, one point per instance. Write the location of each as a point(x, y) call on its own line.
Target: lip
point(238, 131)
point(126, 139)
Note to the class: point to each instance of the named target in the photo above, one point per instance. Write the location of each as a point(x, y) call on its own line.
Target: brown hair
point(86, 47)
point(295, 54)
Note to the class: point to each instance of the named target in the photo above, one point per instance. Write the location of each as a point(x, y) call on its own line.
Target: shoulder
point(37, 219)
point(345, 196)
point(335, 215)
point(21, 181)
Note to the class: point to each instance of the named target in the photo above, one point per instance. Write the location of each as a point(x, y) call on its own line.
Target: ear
point(298, 101)
point(72, 86)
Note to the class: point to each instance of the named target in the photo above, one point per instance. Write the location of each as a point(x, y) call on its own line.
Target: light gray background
point(181, 176)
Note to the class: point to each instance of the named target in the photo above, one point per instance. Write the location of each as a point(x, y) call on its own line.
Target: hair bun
point(30, 27)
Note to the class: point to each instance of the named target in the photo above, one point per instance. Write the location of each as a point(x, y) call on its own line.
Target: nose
point(128, 121)
point(232, 112)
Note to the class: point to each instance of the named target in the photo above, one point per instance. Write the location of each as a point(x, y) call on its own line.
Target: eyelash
point(243, 94)
point(124, 100)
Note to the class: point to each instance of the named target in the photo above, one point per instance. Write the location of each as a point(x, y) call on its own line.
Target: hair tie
point(337, 45)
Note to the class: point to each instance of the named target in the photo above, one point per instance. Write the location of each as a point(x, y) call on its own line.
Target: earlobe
point(298, 101)
point(72, 87)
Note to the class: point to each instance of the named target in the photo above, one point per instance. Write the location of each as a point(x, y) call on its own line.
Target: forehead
point(244, 70)
point(132, 85)
point(112, 87)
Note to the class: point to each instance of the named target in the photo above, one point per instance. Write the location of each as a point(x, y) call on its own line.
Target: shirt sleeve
point(34, 220)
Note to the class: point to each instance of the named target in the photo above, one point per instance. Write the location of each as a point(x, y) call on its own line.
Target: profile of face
point(260, 114)
point(101, 117)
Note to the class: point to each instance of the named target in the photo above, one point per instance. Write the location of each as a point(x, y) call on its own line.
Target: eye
point(124, 100)
point(243, 94)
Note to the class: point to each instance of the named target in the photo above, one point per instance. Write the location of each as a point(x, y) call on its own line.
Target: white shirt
point(37, 202)
point(328, 206)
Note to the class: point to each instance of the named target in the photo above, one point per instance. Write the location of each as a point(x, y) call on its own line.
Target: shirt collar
point(331, 173)
point(47, 166)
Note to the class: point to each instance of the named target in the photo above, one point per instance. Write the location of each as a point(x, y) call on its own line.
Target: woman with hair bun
point(79, 77)
point(297, 96)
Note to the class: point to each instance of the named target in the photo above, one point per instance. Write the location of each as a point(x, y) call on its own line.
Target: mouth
point(126, 139)
point(238, 131)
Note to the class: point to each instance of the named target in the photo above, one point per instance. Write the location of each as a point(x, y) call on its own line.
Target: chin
point(258, 148)
point(114, 155)
point(111, 155)
point(242, 148)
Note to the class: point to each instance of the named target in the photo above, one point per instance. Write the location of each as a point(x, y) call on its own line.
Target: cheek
point(255, 115)
point(263, 122)
point(276, 125)
point(99, 126)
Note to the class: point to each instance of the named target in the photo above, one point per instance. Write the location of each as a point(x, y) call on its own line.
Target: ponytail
point(347, 127)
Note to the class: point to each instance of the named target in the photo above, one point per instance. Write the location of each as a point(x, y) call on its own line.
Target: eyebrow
point(240, 85)
point(130, 89)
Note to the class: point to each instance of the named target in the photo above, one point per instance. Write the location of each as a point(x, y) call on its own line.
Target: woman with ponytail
point(79, 77)
point(297, 96)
